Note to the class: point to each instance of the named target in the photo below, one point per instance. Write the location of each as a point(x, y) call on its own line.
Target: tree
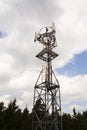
point(26, 122)
point(2, 108)
point(12, 117)
point(67, 122)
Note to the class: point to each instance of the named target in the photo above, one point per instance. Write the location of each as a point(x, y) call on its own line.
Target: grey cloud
point(40, 11)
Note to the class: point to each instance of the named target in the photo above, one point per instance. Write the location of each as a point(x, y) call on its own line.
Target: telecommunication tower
point(47, 100)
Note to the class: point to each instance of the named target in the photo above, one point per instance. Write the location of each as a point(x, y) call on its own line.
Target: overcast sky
point(19, 68)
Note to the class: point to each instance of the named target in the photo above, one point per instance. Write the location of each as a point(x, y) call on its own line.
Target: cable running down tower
point(47, 100)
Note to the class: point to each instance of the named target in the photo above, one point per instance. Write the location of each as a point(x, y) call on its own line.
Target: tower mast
point(47, 100)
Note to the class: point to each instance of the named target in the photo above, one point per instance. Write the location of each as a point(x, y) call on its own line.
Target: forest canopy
point(13, 118)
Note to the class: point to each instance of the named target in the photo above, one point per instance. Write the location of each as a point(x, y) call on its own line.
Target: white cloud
point(71, 30)
point(25, 80)
point(73, 91)
point(78, 107)
point(5, 99)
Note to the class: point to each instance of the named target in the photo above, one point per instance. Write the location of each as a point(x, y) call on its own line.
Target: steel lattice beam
point(47, 100)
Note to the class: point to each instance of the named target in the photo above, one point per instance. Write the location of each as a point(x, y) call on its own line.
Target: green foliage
point(13, 118)
point(77, 121)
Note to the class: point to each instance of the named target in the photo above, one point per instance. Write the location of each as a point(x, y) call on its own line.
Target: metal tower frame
point(47, 100)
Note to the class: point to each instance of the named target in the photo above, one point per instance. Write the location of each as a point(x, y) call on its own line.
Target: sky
point(19, 68)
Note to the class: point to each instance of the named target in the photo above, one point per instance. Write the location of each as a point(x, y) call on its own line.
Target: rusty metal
point(47, 100)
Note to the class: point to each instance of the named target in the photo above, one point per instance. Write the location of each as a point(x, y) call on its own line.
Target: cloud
point(71, 30)
point(13, 12)
point(78, 107)
point(6, 71)
point(73, 88)
point(5, 99)
point(73, 92)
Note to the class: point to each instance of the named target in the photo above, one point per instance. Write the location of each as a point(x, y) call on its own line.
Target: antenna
point(47, 100)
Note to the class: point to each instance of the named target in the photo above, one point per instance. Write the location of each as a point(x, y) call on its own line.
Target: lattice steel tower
point(47, 100)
